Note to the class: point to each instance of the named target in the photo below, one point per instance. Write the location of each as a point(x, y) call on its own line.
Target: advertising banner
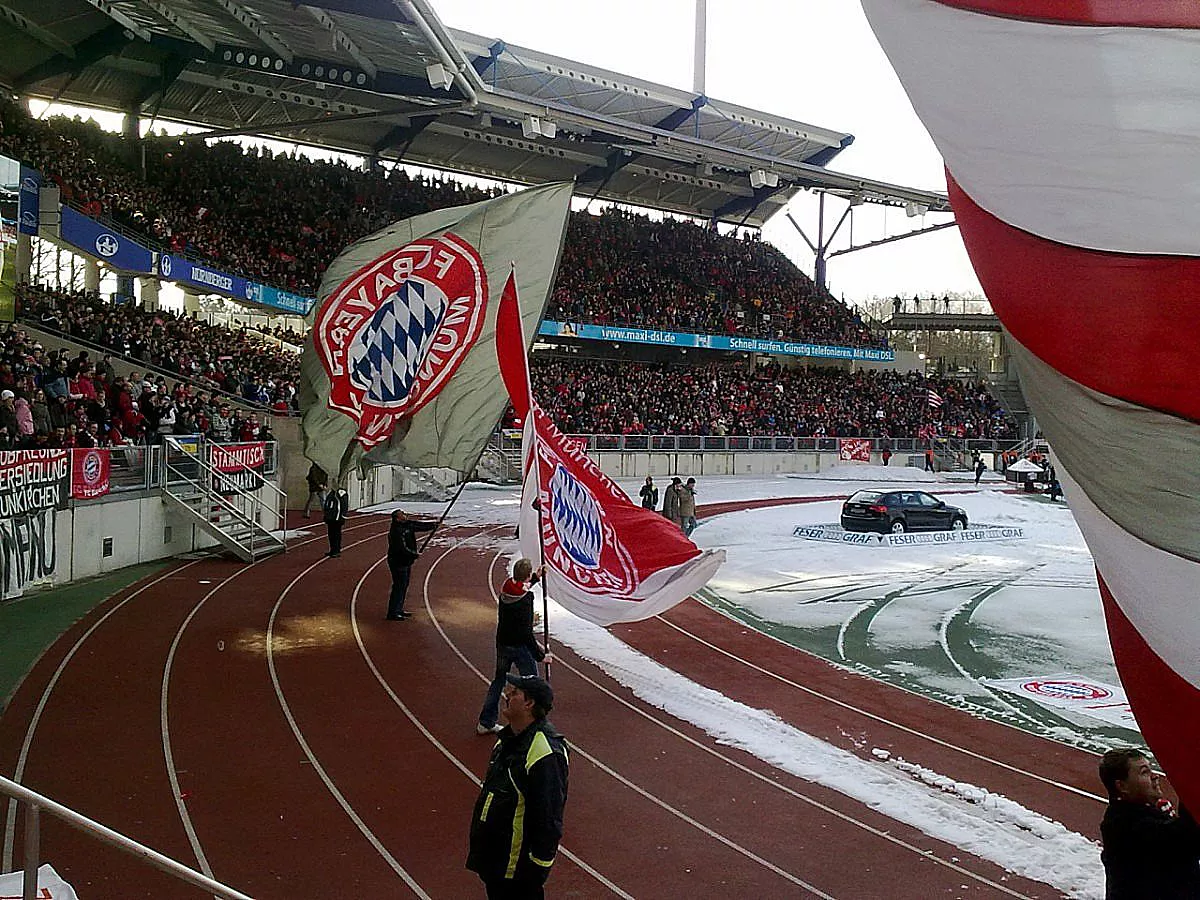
point(10, 176)
point(29, 200)
point(241, 466)
point(197, 275)
point(833, 534)
point(96, 240)
point(277, 298)
point(90, 470)
point(710, 341)
point(854, 449)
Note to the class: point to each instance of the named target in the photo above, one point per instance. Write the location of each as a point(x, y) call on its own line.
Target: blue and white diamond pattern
point(388, 350)
point(576, 518)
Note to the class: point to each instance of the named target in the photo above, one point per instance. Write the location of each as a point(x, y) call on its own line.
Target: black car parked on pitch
point(899, 511)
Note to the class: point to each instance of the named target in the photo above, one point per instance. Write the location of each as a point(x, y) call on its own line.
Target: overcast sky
point(815, 61)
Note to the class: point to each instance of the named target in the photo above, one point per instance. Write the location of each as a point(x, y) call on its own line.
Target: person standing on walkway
point(980, 468)
point(671, 501)
point(402, 553)
point(335, 508)
point(687, 507)
point(929, 460)
point(1150, 852)
point(649, 495)
point(517, 822)
point(318, 481)
point(515, 643)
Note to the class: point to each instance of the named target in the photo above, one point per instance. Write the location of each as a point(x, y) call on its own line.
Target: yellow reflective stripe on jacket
point(544, 863)
point(518, 830)
point(487, 804)
point(539, 748)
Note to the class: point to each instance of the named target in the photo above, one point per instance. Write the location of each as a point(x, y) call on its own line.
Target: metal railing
point(209, 480)
point(36, 804)
point(510, 440)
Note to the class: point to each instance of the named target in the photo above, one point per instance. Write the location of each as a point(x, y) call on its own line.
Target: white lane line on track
point(924, 854)
point(19, 773)
point(657, 801)
point(312, 757)
point(878, 718)
point(462, 767)
point(164, 725)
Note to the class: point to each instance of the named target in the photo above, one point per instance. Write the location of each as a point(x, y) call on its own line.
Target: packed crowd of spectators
point(622, 268)
point(281, 219)
point(238, 362)
point(51, 399)
point(610, 397)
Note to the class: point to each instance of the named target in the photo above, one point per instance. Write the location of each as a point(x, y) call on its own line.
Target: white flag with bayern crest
point(400, 366)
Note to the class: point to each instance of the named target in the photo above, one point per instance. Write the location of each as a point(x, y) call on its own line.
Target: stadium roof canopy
point(385, 78)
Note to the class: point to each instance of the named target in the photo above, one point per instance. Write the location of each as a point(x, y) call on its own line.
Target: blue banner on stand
point(280, 299)
point(205, 278)
point(95, 240)
point(193, 274)
point(619, 333)
point(29, 200)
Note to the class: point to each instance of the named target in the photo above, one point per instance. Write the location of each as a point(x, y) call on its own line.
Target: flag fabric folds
point(607, 559)
point(400, 363)
point(934, 399)
point(1091, 263)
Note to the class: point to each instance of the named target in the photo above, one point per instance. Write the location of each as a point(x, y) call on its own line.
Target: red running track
point(264, 724)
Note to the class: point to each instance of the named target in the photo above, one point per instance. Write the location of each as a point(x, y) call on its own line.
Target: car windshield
point(865, 497)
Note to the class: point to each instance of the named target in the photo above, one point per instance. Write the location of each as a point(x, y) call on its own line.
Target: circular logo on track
point(1067, 690)
point(392, 334)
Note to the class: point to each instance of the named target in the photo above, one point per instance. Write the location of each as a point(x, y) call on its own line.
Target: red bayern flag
point(89, 473)
point(607, 559)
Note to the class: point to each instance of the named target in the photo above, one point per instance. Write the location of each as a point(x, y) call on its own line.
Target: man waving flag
point(400, 364)
point(607, 559)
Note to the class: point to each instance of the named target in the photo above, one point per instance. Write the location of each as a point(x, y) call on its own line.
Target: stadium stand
point(609, 397)
point(281, 218)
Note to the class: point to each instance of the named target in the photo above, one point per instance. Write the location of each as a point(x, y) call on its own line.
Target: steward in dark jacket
point(402, 553)
point(1149, 853)
point(518, 819)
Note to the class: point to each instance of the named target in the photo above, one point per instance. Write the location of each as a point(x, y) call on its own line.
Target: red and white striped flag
point(1091, 263)
point(607, 559)
point(934, 399)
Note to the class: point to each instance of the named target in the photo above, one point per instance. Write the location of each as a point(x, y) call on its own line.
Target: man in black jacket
point(402, 553)
point(518, 818)
point(336, 509)
point(1149, 853)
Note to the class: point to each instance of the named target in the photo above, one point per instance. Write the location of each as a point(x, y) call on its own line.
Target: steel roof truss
point(118, 15)
point(251, 24)
point(37, 32)
point(182, 23)
point(343, 40)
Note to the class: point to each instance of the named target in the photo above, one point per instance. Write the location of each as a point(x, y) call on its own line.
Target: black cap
point(536, 689)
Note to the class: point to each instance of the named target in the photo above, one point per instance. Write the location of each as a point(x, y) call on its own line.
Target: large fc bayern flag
point(1071, 136)
point(607, 559)
point(400, 363)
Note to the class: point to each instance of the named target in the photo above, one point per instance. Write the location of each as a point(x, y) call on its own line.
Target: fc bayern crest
point(391, 335)
point(581, 543)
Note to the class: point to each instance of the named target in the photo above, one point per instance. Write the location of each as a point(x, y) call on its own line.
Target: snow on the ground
point(1041, 612)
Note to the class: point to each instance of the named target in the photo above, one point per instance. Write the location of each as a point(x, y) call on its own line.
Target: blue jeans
point(689, 525)
point(506, 658)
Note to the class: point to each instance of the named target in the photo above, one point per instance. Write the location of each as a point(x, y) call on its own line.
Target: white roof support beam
point(183, 24)
point(252, 25)
point(343, 40)
point(311, 101)
point(37, 32)
point(111, 10)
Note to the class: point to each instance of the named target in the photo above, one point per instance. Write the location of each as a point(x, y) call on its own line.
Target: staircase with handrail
point(224, 496)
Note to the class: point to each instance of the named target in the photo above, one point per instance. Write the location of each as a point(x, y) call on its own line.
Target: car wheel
point(899, 527)
point(958, 525)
